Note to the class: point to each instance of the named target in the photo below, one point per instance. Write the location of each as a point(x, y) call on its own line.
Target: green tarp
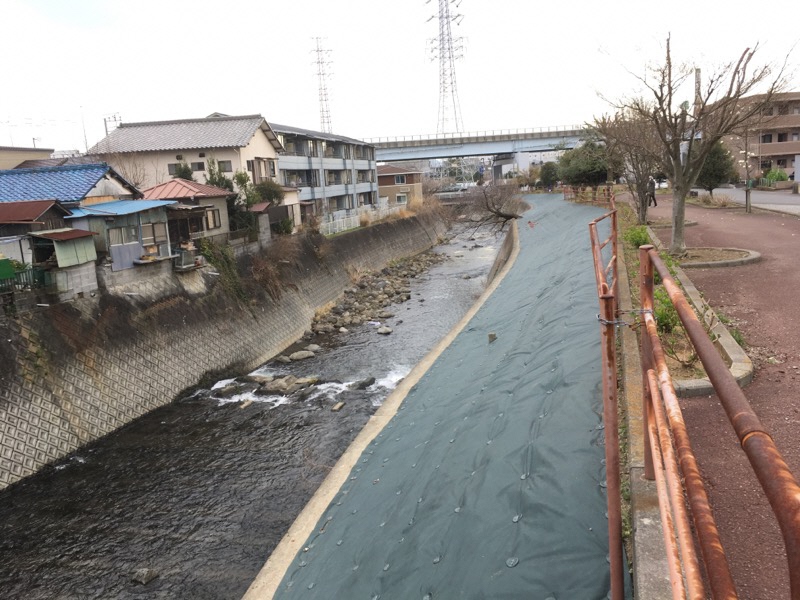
point(490, 480)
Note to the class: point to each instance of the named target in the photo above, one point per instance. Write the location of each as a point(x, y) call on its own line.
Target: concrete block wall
point(73, 372)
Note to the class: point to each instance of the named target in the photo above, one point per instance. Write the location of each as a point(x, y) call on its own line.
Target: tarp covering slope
point(489, 481)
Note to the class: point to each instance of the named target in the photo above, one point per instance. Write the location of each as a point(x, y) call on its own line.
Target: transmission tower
point(322, 75)
point(448, 49)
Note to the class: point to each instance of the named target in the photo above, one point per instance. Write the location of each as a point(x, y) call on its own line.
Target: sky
point(71, 66)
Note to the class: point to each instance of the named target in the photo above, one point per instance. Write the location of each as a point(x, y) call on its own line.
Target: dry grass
point(356, 273)
point(364, 219)
point(718, 201)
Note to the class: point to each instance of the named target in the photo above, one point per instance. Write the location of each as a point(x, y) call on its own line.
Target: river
point(193, 497)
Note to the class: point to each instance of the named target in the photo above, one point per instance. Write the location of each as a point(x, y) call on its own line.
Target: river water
point(195, 495)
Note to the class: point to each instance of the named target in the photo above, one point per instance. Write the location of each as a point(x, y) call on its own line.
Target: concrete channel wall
point(73, 372)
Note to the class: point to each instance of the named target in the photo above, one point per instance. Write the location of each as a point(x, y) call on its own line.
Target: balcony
point(777, 149)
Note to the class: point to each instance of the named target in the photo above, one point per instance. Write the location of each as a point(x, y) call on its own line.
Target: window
point(212, 219)
point(783, 137)
point(401, 198)
point(250, 165)
point(198, 166)
point(783, 110)
point(767, 112)
point(766, 138)
point(796, 137)
point(399, 179)
point(225, 166)
point(153, 233)
point(122, 235)
point(796, 110)
point(766, 165)
point(272, 168)
point(171, 167)
point(781, 163)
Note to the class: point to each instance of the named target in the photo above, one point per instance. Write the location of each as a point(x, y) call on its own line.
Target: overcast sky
point(67, 64)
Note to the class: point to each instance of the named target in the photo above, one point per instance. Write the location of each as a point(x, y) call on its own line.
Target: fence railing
point(31, 278)
point(353, 220)
point(671, 456)
point(607, 296)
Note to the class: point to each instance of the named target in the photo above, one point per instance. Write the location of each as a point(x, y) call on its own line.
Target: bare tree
point(495, 205)
point(686, 136)
point(130, 166)
point(633, 144)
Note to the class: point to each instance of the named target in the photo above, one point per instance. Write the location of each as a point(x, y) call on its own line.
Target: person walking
point(651, 191)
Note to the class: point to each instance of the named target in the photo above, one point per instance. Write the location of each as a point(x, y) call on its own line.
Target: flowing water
point(195, 495)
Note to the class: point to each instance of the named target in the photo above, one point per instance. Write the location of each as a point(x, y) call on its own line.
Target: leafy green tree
point(216, 177)
point(585, 165)
point(718, 168)
point(270, 191)
point(183, 171)
point(549, 174)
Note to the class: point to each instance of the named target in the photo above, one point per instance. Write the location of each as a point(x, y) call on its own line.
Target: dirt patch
point(712, 255)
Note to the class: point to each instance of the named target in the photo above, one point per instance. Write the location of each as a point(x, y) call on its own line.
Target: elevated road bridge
point(480, 143)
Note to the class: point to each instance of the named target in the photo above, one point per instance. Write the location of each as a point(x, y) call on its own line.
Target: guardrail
point(354, 220)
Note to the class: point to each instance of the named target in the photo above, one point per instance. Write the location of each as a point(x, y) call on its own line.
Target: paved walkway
point(489, 480)
point(762, 301)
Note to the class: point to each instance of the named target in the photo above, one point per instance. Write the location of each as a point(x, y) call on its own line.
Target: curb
point(752, 256)
point(741, 367)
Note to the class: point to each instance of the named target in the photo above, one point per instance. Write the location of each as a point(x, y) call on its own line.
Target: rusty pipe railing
point(779, 484)
point(714, 560)
point(607, 317)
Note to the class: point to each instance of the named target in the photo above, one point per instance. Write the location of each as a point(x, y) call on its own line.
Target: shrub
point(637, 236)
point(666, 316)
point(774, 175)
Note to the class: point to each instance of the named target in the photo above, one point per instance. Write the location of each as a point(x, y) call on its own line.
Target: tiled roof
point(393, 170)
point(178, 188)
point(316, 135)
point(117, 208)
point(62, 235)
point(185, 134)
point(65, 184)
point(22, 212)
point(35, 163)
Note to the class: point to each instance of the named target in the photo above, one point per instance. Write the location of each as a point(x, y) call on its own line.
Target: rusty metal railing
point(597, 194)
point(608, 311)
point(779, 484)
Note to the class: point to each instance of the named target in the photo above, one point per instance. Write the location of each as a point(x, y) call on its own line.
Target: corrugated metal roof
point(182, 188)
point(117, 208)
point(31, 210)
point(65, 184)
point(185, 134)
point(63, 235)
point(317, 135)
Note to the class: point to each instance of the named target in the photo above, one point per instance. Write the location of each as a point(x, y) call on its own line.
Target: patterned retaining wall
point(73, 372)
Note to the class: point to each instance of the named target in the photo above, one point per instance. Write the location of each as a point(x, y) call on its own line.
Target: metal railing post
point(611, 428)
point(646, 301)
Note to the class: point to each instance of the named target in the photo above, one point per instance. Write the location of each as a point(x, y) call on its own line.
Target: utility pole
point(322, 63)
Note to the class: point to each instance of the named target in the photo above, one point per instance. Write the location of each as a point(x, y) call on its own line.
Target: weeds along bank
point(73, 372)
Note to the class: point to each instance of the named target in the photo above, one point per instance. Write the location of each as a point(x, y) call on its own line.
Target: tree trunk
point(678, 247)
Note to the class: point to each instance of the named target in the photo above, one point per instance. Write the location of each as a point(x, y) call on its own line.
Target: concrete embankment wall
point(73, 372)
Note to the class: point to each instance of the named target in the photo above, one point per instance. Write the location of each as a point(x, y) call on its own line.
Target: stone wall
point(73, 372)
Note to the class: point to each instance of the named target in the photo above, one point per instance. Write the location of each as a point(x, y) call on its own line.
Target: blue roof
point(117, 208)
point(65, 184)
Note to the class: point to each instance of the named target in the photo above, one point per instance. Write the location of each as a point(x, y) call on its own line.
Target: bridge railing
point(470, 134)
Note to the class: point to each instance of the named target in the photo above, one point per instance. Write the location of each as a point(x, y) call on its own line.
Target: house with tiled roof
point(200, 211)
point(399, 184)
point(70, 185)
point(149, 153)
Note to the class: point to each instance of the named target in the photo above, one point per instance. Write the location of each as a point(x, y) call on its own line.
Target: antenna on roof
point(322, 75)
